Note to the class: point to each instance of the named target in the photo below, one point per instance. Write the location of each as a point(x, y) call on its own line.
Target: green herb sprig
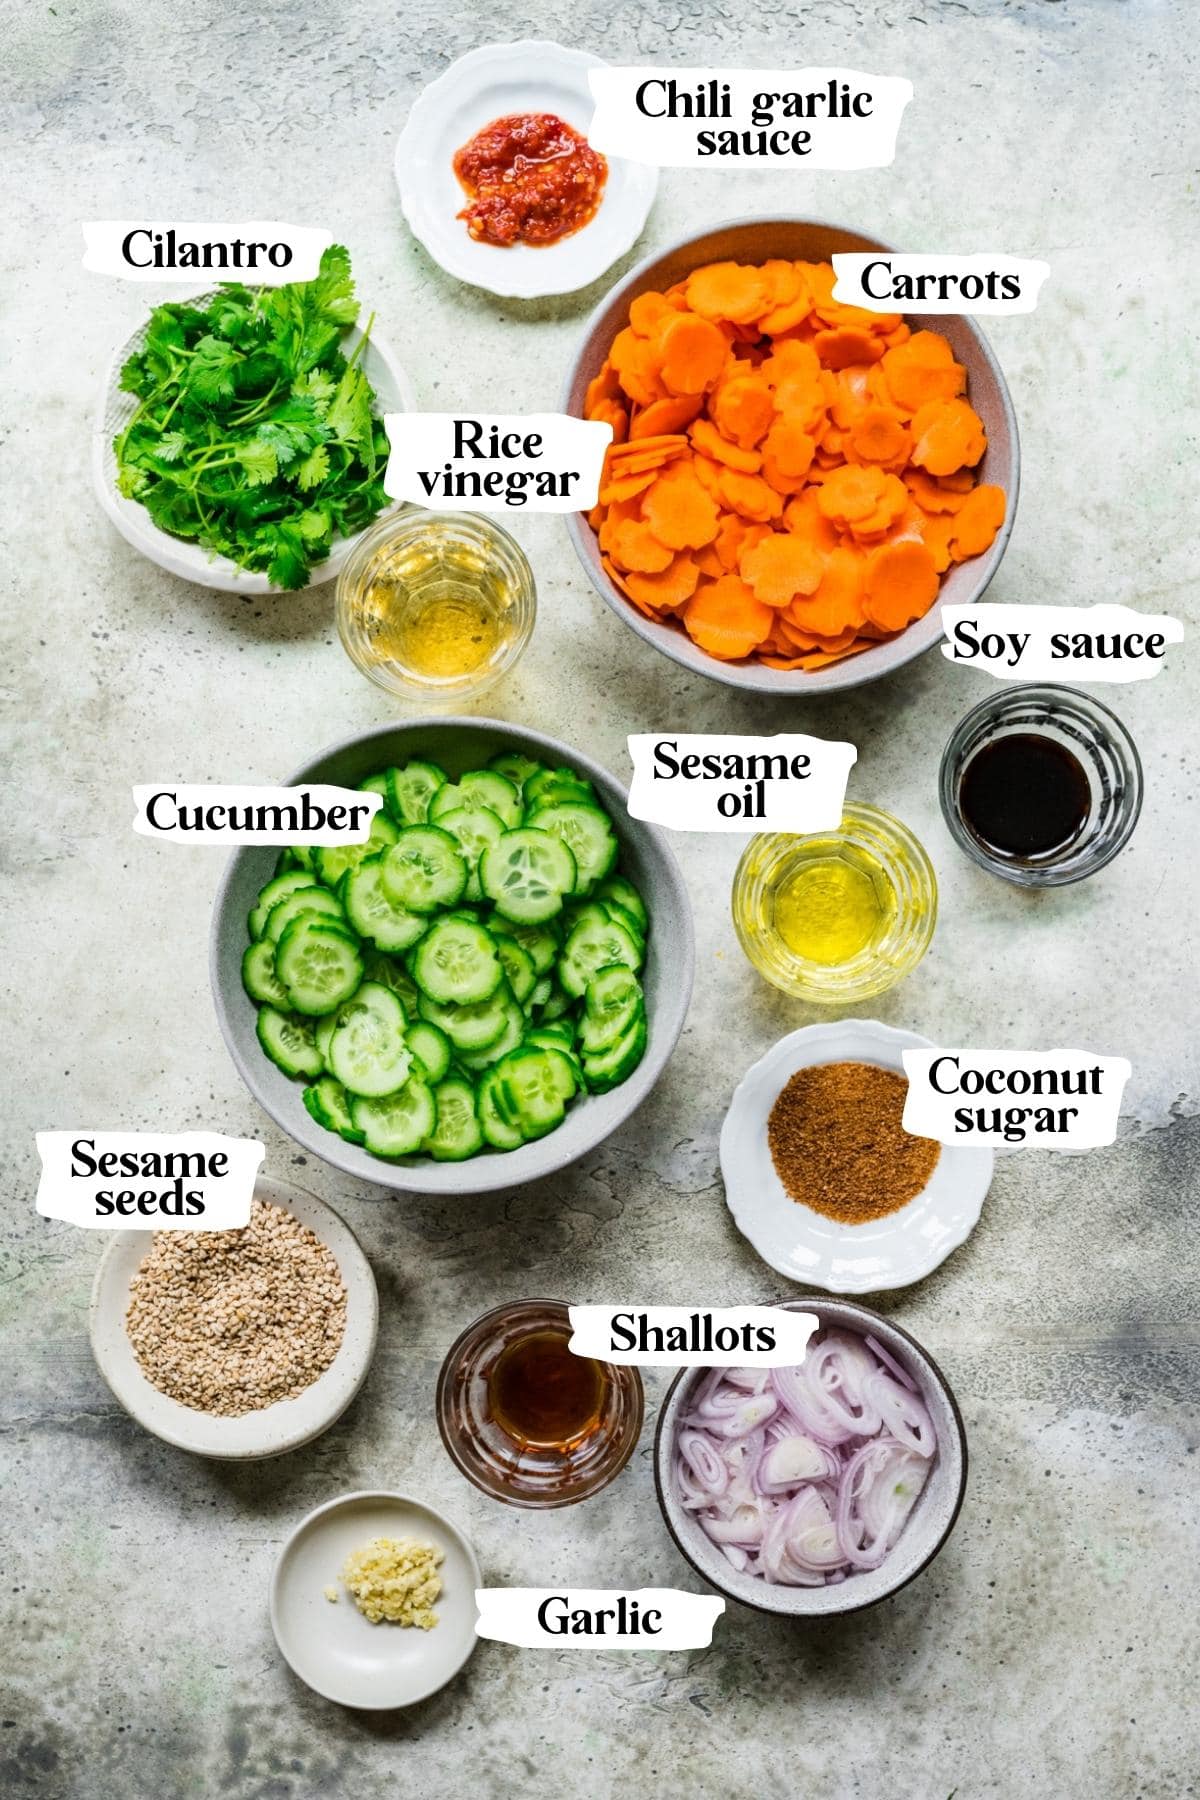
point(253, 435)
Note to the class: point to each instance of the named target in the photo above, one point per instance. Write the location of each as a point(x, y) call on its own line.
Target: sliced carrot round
point(675, 585)
point(948, 436)
point(779, 567)
point(743, 408)
point(694, 353)
point(727, 290)
point(680, 511)
point(846, 346)
point(977, 521)
point(879, 435)
point(724, 618)
point(901, 585)
point(709, 440)
point(664, 417)
point(635, 547)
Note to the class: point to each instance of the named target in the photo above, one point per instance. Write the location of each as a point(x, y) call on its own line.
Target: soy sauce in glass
point(1025, 795)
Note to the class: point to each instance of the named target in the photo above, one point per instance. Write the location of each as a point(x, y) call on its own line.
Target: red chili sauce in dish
point(531, 178)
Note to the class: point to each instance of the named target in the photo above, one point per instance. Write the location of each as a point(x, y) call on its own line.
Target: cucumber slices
point(455, 983)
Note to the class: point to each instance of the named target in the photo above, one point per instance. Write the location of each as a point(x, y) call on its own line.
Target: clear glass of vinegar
point(435, 605)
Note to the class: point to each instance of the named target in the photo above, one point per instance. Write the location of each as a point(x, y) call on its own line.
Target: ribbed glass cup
point(531, 1475)
point(416, 573)
point(883, 848)
point(1097, 740)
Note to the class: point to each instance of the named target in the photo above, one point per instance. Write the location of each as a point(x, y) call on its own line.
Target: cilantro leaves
point(254, 436)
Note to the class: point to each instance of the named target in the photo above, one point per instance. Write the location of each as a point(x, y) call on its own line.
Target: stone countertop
point(1047, 1650)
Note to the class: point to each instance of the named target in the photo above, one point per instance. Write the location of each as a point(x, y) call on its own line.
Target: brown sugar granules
point(231, 1321)
point(838, 1145)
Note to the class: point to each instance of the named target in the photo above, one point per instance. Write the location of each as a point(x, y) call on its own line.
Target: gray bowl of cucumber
point(481, 992)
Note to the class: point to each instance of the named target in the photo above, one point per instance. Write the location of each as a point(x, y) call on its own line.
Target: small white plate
point(487, 84)
point(802, 1244)
point(332, 1647)
point(272, 1429)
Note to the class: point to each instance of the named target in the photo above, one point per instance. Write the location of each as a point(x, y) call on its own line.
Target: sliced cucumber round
point(612, 1000)
point(412, 788)
point(473, 829)
point(431, 1048)
point(367, 1052)
point(608, 1068)
point(456, 1134)
point(373, 913)
point(594, 942)
point(329, 1104)
point(332, 860)
point(469, 1028)
point(518, 968)
point(456, 963)
point(526, 874)
point(514, 767)
point(259, 978)
point(482, 787)
point(615, 887)
point(424, 869)
point(510, 1038)
point(301, 903)
point(276, 890)
point(318, 963)
point(541, 942)
point(396, 1124)
point(588, 833)
point(497, 1130)
point(548, 786)
point(529, 1091)
point(288, 1042)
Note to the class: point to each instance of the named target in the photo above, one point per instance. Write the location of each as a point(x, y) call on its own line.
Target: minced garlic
point(395, 1579)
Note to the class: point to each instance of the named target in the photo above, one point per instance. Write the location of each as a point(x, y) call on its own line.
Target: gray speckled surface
point(1049, 1650)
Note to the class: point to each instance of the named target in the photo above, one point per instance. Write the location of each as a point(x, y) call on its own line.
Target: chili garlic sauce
point(530, 178)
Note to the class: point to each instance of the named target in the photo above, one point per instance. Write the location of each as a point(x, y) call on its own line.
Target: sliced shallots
point(807, 1475)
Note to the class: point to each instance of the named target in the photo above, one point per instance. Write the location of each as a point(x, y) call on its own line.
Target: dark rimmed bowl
point(755, 241)
point(925, 1532)
point(646, 857)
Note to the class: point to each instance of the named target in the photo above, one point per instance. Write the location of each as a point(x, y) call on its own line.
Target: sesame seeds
point(229, 1322)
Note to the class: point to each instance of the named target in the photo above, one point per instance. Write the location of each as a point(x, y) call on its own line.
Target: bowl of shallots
point(820, 1489)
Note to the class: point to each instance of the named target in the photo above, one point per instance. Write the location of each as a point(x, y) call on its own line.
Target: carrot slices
point(977, 521)
point(789, 478)
point(949, 436)
point(708, 439)
point(634, 547)
point(675, 584)
point(693, 354)
point(901, 584)
point(725, 619)
point(780, 566)
point(680, 512)
point(743, 410)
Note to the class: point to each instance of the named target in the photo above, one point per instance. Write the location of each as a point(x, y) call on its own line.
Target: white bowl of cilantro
point(239, 440)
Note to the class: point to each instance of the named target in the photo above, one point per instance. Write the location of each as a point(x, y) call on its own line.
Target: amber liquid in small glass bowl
point(526, 1420)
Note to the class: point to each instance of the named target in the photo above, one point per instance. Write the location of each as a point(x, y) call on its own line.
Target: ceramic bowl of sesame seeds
point(821, 1176)
point(237, 1344)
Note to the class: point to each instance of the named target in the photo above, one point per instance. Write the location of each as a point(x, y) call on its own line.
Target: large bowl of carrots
point(795, 486)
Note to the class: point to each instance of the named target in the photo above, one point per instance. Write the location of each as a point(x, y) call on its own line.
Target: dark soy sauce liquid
point(1025, 795)
point(542, 1394)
